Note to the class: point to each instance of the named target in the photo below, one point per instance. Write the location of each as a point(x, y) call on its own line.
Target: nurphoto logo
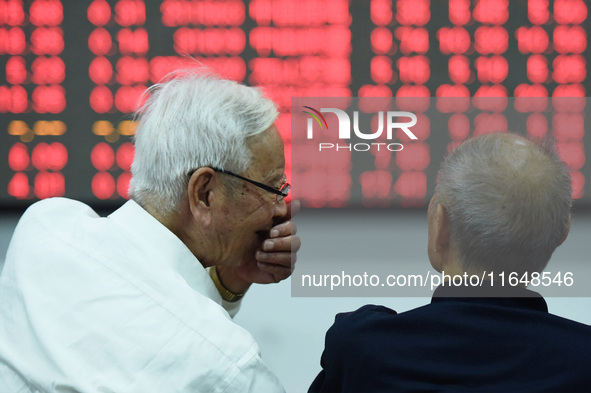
point(391, 118)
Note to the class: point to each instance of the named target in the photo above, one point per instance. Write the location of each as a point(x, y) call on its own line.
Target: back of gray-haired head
point(508, 201)
point(192, 120)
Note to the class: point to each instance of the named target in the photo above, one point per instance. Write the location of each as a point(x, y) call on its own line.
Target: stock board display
point(72, 72)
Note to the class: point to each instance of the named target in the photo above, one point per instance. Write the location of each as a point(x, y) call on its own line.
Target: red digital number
point(228, 67)
point(413, 12)
point(100, 42)
point(414, 69)
point(129, 98)
point(48, 70)
point(525, 90)
point(211, 13)
point(381, 69)
point(527, 101)
point(491, 98)
point(101, 99)
point(453, 40)
point(537, 11)
point(48, 184)
point(572, 153)
point(102, 156)
point(568, 126)
point(299, 71)
point(16, 70)
point(574, 90)
point(569, 69)
point(132, 70)
point(421, 104)
point(12, 41)
point(12, 13)
point(451, 91)
point(411, 185)
point(412, 39)
point(458, 126)
point(452, 98)
point(210, 41)
point(133, 42)
point(376, 184)
point(570, 11)
point(13, 99)
point(381, 12)
point(123, 184)
point(100, 71)
point(491, 40)
point(485, 123)
point(459, 69)
point(46, 13)
point(260, 11)
point(383, 158)
point(494, 12)
point(381, 40)
point(330, 41)
point(124, 156)
point(374, 91)
point(40, 157)
point(103, 185)
point(570, 39)
point(49, 99)
point(537, 68)
point(459, 12)
point(18, 157)
point(130, 12)
point(99, 12)
point(532, 39)
point(492, 69)
point(18, 186)
point(537, 125)
point(47, 41)
point(414, 157)
point(49, 156)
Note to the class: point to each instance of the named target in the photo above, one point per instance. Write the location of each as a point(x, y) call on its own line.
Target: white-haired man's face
point(242, 222)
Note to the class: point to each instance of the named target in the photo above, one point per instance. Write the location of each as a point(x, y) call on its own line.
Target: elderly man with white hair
point(143, 300)
point(501, 206)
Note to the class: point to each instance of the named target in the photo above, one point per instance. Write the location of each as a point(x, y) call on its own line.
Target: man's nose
point(280, 208)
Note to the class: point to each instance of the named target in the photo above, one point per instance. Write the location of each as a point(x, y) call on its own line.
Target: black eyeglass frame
point(283, 192)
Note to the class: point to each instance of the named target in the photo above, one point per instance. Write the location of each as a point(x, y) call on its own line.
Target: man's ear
point(566, 232)
point(442, 234)
point(199, 193)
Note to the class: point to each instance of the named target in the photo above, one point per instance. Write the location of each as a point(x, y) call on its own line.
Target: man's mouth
point(262, 235)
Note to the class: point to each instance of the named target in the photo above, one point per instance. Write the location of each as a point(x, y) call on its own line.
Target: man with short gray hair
point(501, 206)
point(142, 300)
point(505, 202)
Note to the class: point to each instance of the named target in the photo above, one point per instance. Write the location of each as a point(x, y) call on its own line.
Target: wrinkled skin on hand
point(273, 263)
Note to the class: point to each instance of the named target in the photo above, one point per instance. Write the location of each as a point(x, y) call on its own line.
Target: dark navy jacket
point(457, 344)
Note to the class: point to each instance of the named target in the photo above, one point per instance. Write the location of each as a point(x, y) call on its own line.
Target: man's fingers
point(289, 243)
point(277, 257)
point(282, 258)
point(284, 229)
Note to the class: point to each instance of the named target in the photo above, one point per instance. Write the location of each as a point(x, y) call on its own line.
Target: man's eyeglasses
point(281, 192)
